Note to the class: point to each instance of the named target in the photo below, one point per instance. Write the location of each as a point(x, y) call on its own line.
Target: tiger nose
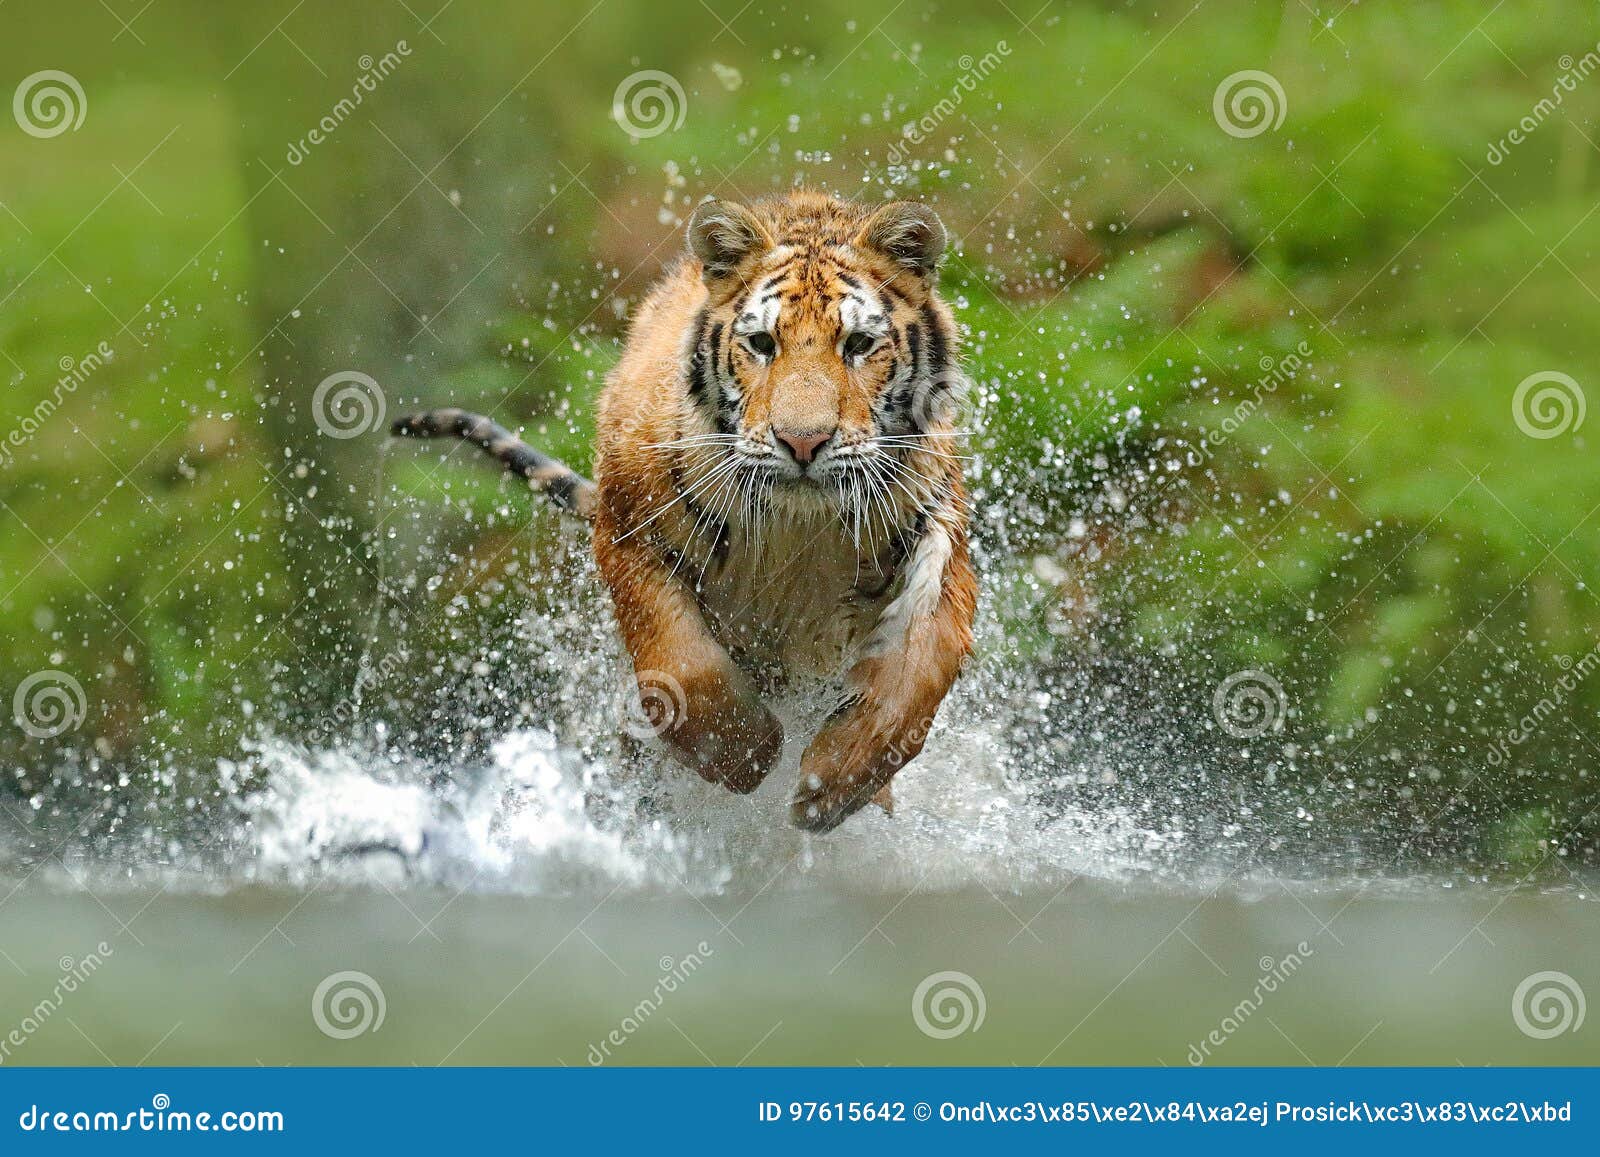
point(803, 445)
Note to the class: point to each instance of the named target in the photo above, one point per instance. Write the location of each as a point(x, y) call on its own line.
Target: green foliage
point(1367, 519)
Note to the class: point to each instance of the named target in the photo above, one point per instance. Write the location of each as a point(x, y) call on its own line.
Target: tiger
point(778, 492)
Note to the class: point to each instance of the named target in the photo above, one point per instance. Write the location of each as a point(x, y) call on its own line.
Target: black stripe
point(938, 340)
point(563, 489)
point(692, 509)
point(894, 371)
point(918, 529)
point(900, 402)
point(567, 488)
point(717, 368)
point(698, 385)
point(721, 535)
point(669, 554)
point(849, 701)
point(723, 543)
point(713, 354)
point(919, 368)
point(889, 288)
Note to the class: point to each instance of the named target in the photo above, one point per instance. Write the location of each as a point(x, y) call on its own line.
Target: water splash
point(519, 821)
point(537, 817)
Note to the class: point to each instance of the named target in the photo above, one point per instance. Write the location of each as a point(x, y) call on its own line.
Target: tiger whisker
point(893, 463)
point(719, 513)
point(696, 440)
point(720, 467)
point(895, 444)
point(710, 516)
point(900, 475)
point(881, 504)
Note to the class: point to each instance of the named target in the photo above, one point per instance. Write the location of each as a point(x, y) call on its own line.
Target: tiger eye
point(859, 344)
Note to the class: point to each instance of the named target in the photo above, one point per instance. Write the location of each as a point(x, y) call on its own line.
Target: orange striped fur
point(780, 492)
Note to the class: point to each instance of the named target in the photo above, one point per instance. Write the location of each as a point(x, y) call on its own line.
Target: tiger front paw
point(728, 739)
point(848, 765)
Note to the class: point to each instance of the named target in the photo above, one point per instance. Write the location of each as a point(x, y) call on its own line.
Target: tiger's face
point(822, 355)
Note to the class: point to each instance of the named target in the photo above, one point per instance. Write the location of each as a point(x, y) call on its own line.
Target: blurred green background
point(1379, 533)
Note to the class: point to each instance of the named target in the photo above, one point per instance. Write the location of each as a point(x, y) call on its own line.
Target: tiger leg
point(696, 699)
point(898, 688)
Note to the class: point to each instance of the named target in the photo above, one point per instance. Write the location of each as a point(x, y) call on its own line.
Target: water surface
point(496, 920)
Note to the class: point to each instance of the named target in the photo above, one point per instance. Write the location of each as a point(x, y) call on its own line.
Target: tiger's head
point(822, 353)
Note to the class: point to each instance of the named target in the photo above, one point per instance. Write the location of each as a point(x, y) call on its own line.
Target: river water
point(356, 914)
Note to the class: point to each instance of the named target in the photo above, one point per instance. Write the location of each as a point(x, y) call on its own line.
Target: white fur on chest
point(796, 594)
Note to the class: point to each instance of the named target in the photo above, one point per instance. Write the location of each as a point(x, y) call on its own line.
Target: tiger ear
point(722, 234)
point(907, 231)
